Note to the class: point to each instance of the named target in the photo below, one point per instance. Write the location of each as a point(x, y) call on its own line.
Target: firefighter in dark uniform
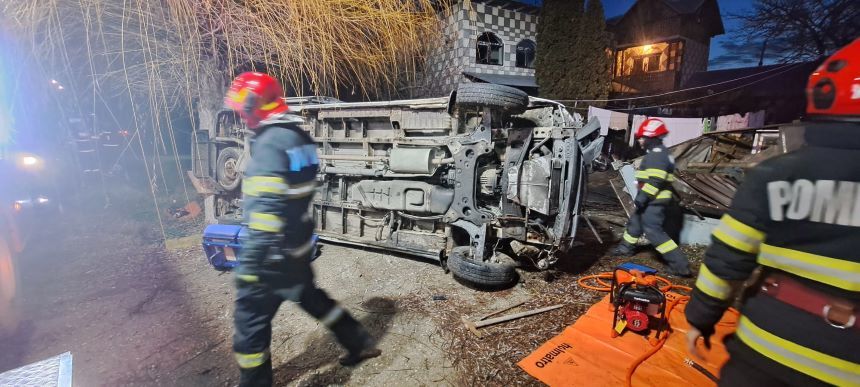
point(275, 259)
point(655, 194)
point(796, 216)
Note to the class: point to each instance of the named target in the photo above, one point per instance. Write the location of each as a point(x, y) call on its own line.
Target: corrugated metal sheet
point(55, 371)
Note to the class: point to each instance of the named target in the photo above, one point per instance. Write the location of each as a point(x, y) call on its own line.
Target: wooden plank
point(497, 320)
point(717, 184)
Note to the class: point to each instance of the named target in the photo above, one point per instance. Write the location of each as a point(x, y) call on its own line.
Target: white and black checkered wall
point(457, 52)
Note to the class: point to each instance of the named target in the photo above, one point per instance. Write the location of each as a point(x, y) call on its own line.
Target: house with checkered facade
point(484, 41)
point(657, 45)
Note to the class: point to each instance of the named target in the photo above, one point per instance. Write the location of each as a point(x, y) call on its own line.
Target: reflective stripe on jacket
point(655, 176)
point(792, 215)
point(277, 189)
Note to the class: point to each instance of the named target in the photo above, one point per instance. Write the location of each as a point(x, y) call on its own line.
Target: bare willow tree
point(152, 58)
point(169, 52)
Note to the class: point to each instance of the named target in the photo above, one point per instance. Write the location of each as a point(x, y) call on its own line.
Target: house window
point(489, 49)
point(648, 58)
point(652, 63)
point(638, 65)
point(526, 54)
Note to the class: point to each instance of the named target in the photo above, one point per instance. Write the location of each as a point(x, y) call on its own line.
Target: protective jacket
point(796, 216)
point(275, 258)
point(655, 192)
point(655, 177)
point(278, 187)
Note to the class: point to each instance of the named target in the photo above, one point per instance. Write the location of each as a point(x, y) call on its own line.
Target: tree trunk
point(209, 102)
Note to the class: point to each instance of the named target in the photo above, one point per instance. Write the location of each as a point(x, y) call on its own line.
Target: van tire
point(482, 273)
point(508, 99)
point(227, 169)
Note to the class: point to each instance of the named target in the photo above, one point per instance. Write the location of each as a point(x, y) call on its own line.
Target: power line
point(681, 90)
point(706, 96)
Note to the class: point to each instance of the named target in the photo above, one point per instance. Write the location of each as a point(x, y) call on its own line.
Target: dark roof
point(779, 76)
point(507, 80)
point(777, 89)
point(710, 9)
point(615, 19)
point(529, 6)
point(685, 7)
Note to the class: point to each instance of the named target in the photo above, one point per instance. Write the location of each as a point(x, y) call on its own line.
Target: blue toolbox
point(635, 266)
point(222, 243)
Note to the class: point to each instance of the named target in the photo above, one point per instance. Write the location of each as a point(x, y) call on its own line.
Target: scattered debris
point(185, 213)
point(491, 314)
point(475, 325)
point(710, 168)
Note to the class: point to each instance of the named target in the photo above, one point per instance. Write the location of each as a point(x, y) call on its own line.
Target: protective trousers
point(650, 221)
point(257, 301)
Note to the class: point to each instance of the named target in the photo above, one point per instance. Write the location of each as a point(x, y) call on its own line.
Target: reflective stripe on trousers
point(813, 363)
point(630, 238)
point(667, 246)
point(251, 360)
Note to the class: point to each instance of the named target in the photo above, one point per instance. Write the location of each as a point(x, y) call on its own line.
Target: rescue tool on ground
point(639, 304)
point(642, 302)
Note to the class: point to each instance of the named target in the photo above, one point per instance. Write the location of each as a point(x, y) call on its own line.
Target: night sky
point(618, 7)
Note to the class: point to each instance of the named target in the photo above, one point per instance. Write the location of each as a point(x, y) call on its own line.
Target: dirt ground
point(99, 283)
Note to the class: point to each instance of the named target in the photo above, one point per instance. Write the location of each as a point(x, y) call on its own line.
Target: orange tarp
point(586, 354)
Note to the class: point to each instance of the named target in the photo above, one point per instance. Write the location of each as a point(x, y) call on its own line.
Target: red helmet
point(834, 88)
point(652, 128)
point(255, 96)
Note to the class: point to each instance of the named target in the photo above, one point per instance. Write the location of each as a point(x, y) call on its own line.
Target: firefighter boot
point(623, 250)
point(352, 336)
point(628, 242)
point(678, 264)
point(258, 376)
point(352, 359)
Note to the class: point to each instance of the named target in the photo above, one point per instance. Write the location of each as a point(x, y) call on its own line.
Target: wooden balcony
point(647, 83)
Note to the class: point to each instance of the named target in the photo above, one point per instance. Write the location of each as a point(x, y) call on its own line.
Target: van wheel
point(482, 273)
point(508, 99)
point(227, 168)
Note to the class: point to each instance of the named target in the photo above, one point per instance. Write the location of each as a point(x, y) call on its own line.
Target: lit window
point(526, 54)
point(652, 65)
point(489, 49)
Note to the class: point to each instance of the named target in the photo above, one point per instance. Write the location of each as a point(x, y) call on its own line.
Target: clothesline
point(680, 129)
point(689, 88)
